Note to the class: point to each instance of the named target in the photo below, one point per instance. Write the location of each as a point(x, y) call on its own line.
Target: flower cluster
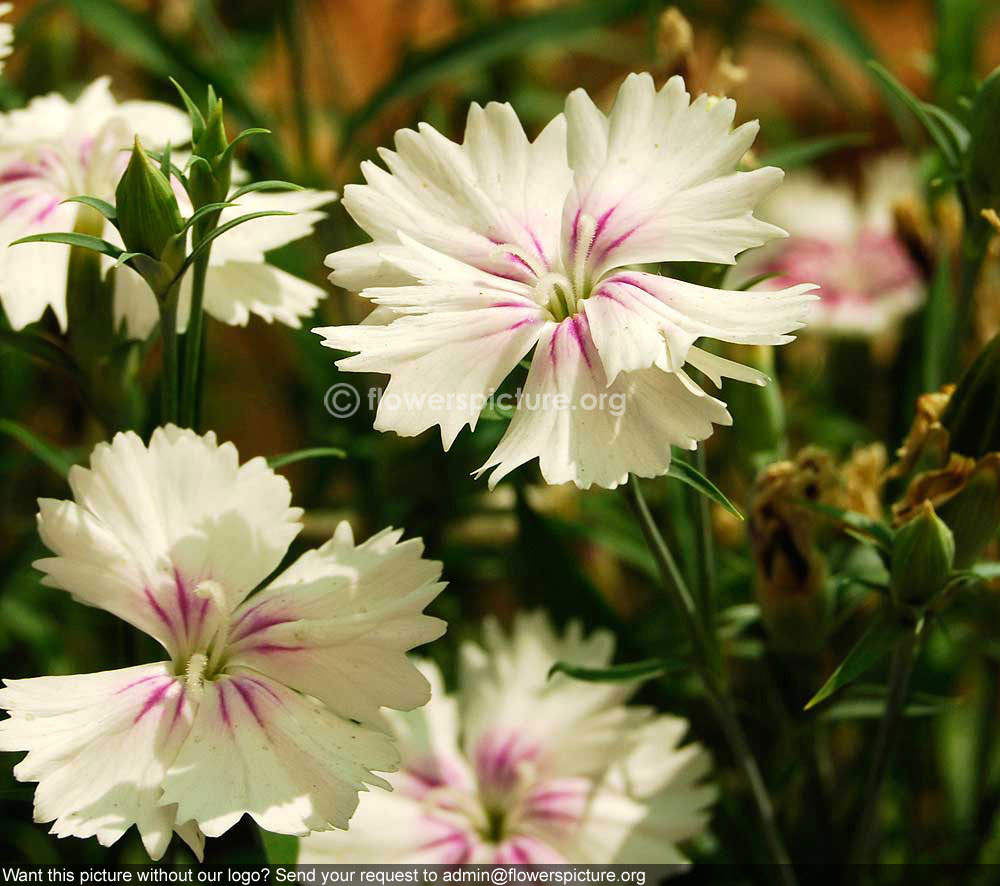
point(515, 768)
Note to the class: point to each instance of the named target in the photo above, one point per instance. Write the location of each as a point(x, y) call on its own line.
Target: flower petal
point(467, 201)
point(148, 524)
point(338, 622)
point(261, 749)
point(656, 179)
point(98, 746)
point(584, 430)
point(443, 364)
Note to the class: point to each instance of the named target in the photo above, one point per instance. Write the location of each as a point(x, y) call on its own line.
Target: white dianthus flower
point(486, 250)
point(269, 705)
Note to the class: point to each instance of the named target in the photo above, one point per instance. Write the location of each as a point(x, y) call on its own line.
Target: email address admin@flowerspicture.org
point(328, 875)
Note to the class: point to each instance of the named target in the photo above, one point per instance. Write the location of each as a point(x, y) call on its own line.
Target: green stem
point(901, 670)
point(705, 665)
point(973, 251)
point(296, 50)
point(168, 330)
point(707, 597)
point(195, 330)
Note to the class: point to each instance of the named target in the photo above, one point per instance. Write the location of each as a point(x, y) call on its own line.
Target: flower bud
point(923, 554)
point(211, 169)
point(148, 216)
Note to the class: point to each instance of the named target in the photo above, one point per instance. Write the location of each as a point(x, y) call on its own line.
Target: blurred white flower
point(521, 769)
point(268, 704)
point(846, 243)
point(51, 150)
point(490, 248)
point(239, 280)
point(54, 149)
point(6, 33)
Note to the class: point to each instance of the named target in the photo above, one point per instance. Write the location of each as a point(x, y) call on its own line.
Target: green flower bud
point(923, 554)
point(148, 216)
point(973, 414)
point(211, 169)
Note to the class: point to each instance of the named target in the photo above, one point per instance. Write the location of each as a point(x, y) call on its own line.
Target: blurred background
point(333, 80)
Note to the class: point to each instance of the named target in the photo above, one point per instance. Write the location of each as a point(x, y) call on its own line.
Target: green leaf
point(830, 22)
point(868, 703)
point(70, 238)
point(219, 231)
point(498, 39)
point(800, 153)
point(40, 348)
point(972, 416)
point(871, 529)
point(938, 323)
point(207, 209)
point(102, 206)
point(874, 646)
point(942, 139)
point(289, 458)
point(246, 133)
point(56, 459)
point(270, 185)
point(197, 120)
point(636, 670)
point(984, 126)
point(280, 849)
point(687, 473)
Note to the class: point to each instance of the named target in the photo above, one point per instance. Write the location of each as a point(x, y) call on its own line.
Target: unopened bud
point(148, 215)
point(923, 555)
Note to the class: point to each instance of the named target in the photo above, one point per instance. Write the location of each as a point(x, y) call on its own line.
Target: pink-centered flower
point(485, 250)
point(846, 242)
point(55, 149)
point(268, 705)
point(517, 768)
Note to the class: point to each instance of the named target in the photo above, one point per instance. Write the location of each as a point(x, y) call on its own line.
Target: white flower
point(268, 704)
point(54, 149)
point(239, 280)
point(847, 244)
point(518, 768)
point(51, 150)
point(490, 248)
point(6, 33)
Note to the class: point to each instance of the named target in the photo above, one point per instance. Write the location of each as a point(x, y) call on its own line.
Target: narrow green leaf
point(207, 209)
point(40, 348)
point(951, 125)
point(270, 185)
point(70, 238)
point(830, 22)
point(498, 39)
point(57, 460)
point(800, 153)
point(197, 120)
point(102, 206)
point(246, 133)
point(874, 646)
point(941, 138)
point(125, 258)
point(687, 473)
point(636, 670)
point(873, 529)
point(289, 458)
point(938, 324)
point(219, 231)
point(868, 703)
point(280, 849)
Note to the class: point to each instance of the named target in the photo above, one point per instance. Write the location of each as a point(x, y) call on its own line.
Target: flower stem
point(707, 597)
point(195, 329)
point(900, 671)
point(706, 666)
point(168, 330)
